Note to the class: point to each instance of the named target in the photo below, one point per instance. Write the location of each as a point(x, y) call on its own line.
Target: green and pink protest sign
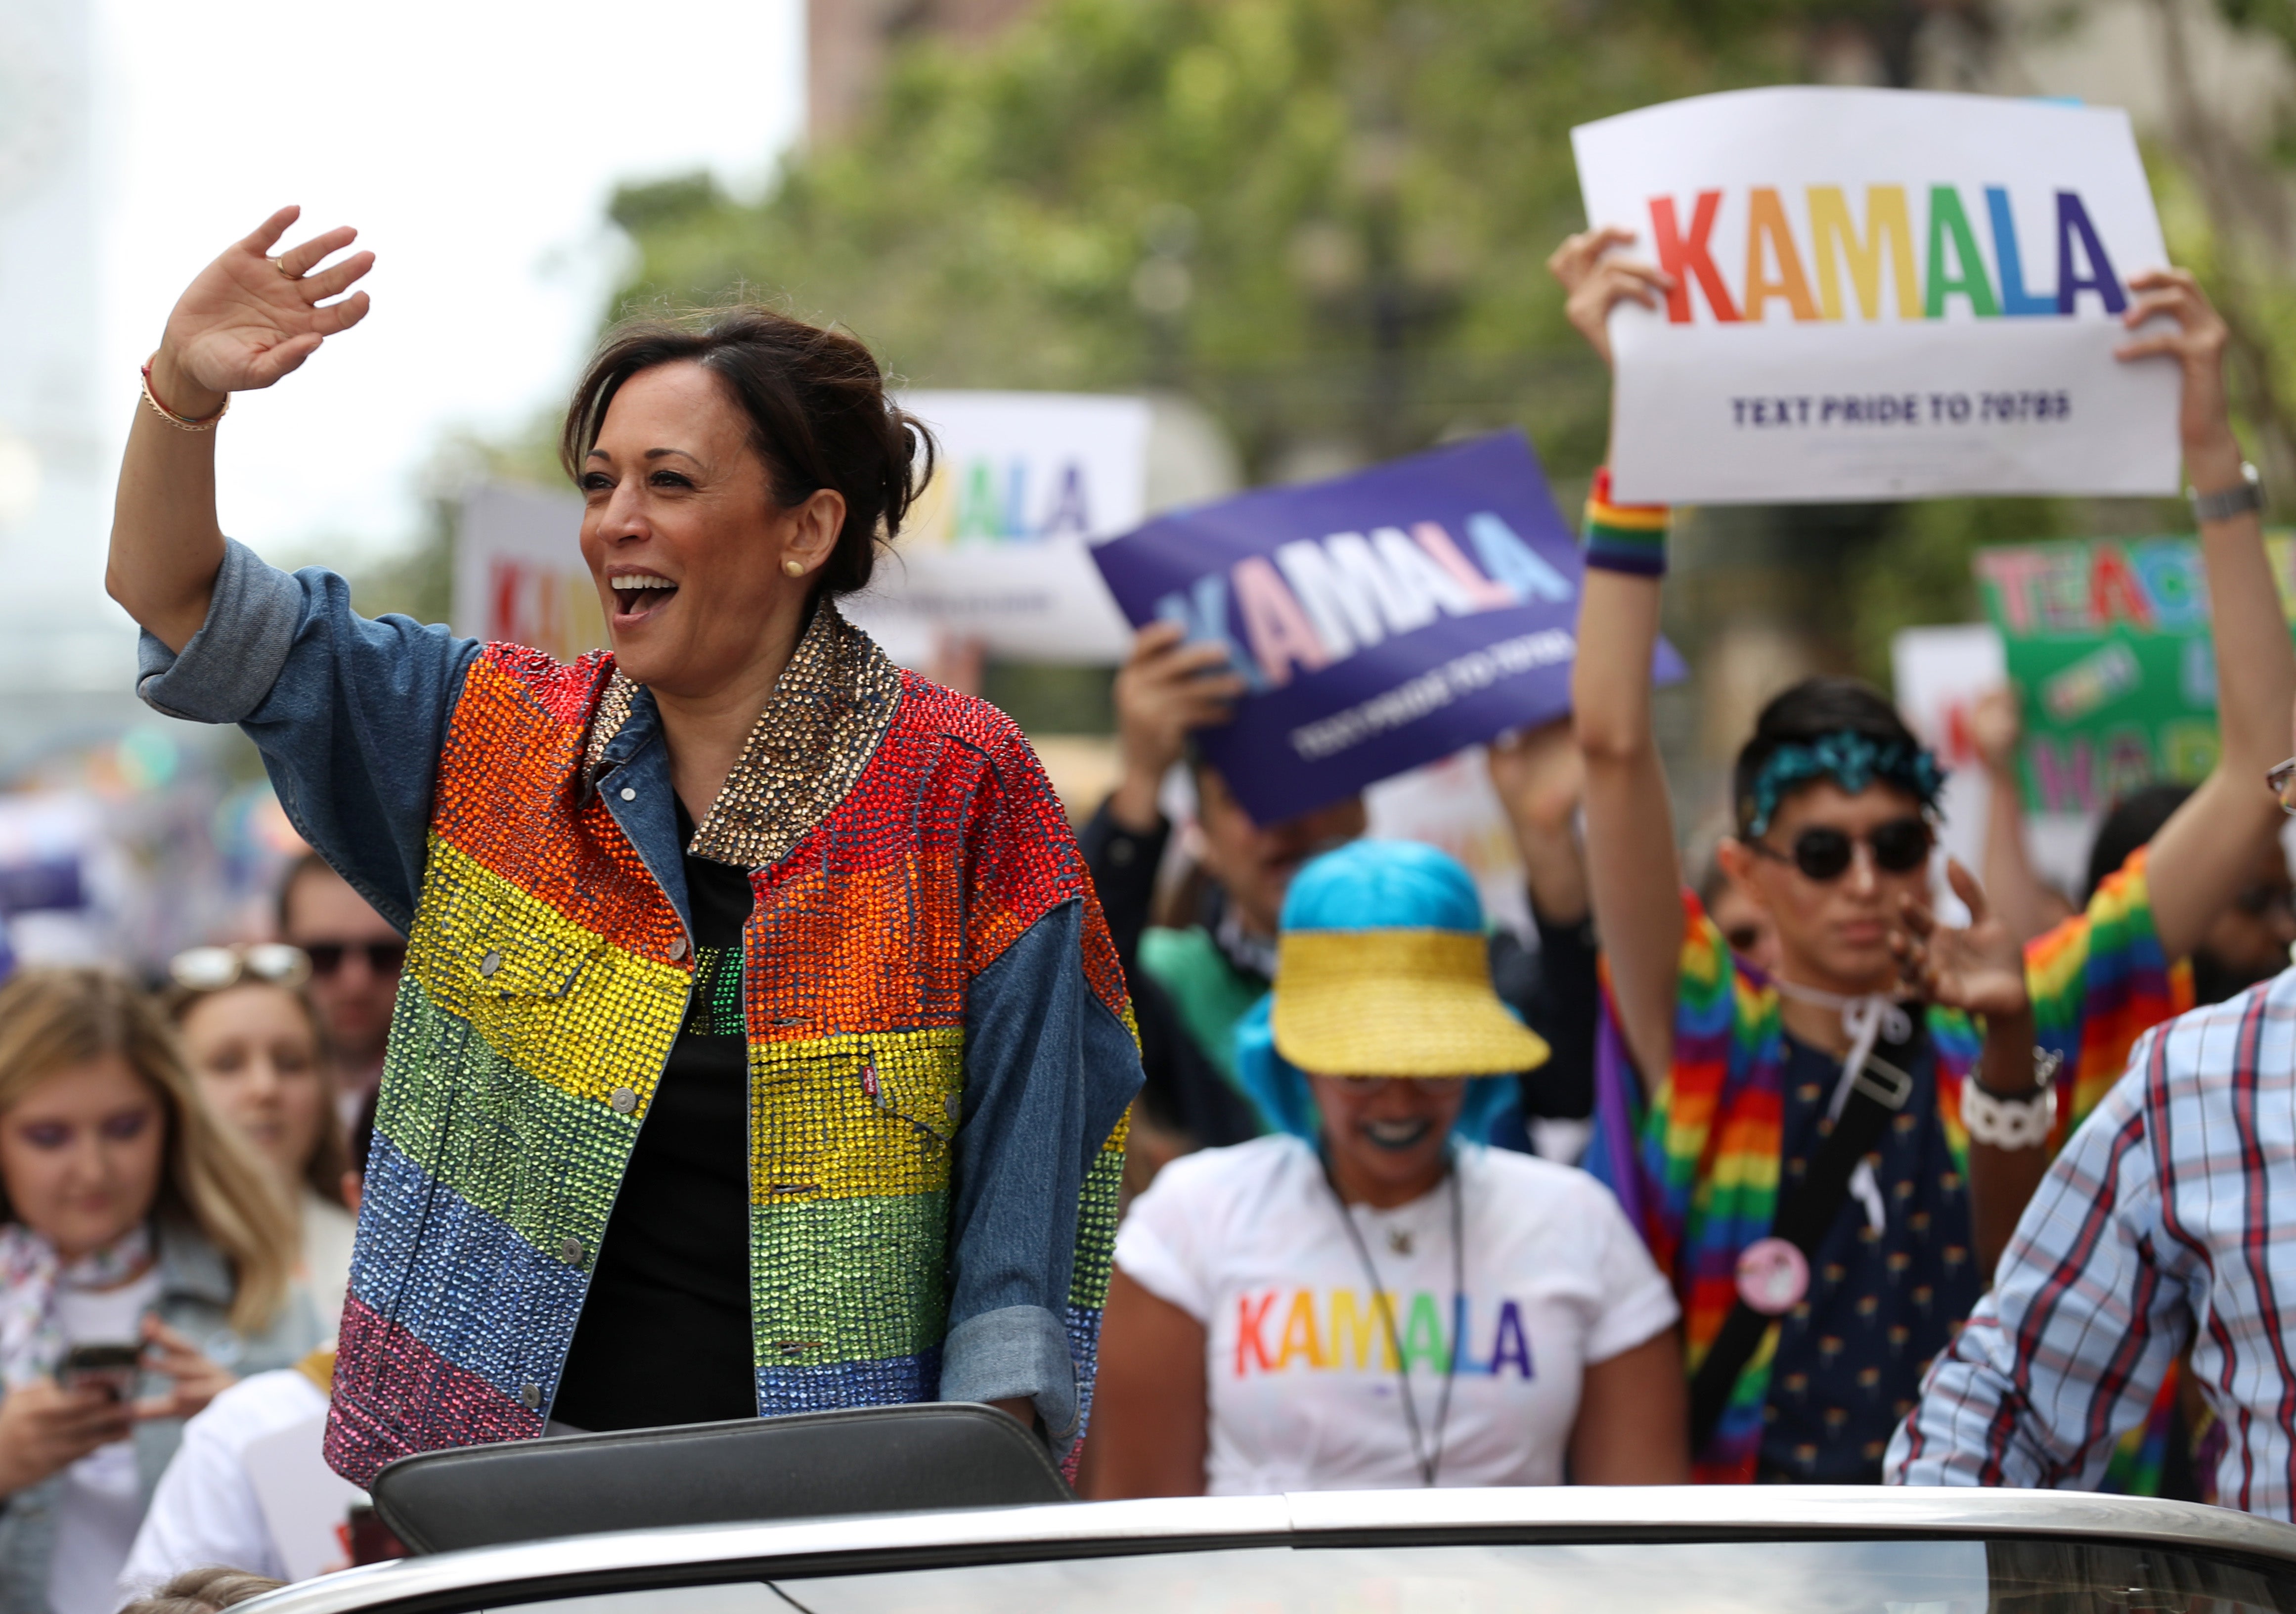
point(2107, 641)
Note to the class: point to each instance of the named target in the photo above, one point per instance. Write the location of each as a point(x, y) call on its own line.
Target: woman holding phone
point(144, 1262)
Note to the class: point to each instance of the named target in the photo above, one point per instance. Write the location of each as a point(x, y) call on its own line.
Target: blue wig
point(1370, 885)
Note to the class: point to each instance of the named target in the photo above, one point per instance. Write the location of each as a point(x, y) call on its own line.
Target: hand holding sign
point(1377, 621)
point(1594, 283)
point(1878, 294)
point(2196, 341)
point(1167, 688)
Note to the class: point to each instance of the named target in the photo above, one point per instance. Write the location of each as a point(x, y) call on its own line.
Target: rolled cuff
point(227, 668)
point(1016, 1351)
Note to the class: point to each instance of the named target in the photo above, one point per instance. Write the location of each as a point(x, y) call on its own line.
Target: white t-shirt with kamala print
point(1303, 1388)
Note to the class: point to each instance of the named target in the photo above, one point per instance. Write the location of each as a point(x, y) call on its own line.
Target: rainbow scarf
point(1703, 1173)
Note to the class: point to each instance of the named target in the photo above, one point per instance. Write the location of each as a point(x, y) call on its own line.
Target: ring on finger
point(279, 264)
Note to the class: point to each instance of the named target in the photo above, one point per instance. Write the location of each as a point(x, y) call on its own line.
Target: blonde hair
point(207, 1591)
point(54, 1019)
point(330, 1160)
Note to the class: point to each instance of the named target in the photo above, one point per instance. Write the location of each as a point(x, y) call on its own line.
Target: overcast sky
point(474, 144)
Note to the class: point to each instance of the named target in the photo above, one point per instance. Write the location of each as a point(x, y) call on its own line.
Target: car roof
point(625, 1560)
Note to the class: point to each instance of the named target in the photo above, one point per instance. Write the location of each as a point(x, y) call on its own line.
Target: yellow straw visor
point(1395, 1002)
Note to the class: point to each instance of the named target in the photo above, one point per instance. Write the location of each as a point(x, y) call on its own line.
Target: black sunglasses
point(383, 957)
point(1899, 847)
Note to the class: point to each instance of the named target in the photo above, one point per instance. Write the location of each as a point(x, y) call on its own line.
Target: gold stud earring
point(795, 568)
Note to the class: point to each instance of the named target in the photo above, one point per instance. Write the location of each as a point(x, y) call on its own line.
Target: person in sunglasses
point(355, 959)
point(1803, 1154)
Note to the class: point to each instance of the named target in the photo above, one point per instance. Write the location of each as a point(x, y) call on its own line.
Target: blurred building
point(847, 43)
point(67, 653)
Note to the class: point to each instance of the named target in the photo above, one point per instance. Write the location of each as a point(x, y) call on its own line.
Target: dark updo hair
point(1803, 713)
point(818, 416)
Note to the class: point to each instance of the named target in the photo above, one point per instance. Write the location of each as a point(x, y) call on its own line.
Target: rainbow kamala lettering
point(1806, 269)
point(1341, 1330)
point(1315, 602)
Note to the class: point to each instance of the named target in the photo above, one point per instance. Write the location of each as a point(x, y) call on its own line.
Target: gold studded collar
point(832, 705)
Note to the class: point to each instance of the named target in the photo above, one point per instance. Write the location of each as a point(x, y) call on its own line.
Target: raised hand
point(250, 317)
point(1996, 726)
point(2197, 343)
point(1167, 689)
point(1539, 775)
point(1978, 969)
point(1597, 283)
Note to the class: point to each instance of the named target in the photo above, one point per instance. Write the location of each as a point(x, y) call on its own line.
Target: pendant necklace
point(1428, 1463)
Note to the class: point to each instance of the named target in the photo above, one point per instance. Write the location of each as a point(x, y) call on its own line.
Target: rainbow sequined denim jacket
point(940, 1054)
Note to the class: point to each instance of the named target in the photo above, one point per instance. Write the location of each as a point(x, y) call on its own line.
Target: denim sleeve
point(349, 714)
point(1049, 1070)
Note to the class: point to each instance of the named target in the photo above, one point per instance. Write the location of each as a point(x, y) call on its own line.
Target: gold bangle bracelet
point(206, 423)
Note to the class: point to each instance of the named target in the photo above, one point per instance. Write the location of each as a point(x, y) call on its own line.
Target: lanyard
point(1429, 1464)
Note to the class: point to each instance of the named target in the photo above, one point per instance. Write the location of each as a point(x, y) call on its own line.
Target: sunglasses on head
point(212, 968)
point(1899, 847)
point(383, 957)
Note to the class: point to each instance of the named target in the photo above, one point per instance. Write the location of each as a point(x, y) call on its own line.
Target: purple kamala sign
point(1385, 618)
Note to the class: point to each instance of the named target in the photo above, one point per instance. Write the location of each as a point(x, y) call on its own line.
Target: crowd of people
point(732, 1027)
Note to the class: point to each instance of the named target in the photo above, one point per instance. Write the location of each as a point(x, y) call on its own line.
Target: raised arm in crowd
point(1752, 1081)
point(1193, 979)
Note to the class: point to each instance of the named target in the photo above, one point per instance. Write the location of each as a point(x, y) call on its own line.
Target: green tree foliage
point(1326, 219)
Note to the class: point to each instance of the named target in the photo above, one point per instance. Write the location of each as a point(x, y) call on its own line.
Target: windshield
point(1831, 1576)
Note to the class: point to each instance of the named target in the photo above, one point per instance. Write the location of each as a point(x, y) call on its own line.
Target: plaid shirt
point(2169, 1218)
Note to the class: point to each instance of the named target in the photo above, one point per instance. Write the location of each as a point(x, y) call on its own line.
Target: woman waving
point(760, 1047)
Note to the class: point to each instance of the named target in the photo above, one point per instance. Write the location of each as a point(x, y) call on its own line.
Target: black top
point(664, 1336)
point(1881, 1306)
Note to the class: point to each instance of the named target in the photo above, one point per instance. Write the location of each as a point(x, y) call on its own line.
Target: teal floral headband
point(1850, 760)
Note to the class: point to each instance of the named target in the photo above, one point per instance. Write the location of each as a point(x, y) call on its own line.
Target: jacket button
point(532, 1395)
point(571, 1248)
point(491, 963)
point(623, 1101)
point(628, 794)
point(677, 948)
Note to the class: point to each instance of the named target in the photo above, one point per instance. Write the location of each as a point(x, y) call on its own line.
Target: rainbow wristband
point(1625, 537)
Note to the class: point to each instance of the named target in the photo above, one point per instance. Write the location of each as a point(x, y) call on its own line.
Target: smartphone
point(112, 1368)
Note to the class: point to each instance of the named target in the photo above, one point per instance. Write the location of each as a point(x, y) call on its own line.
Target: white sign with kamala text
point(1880, 294)
point(997, 548)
